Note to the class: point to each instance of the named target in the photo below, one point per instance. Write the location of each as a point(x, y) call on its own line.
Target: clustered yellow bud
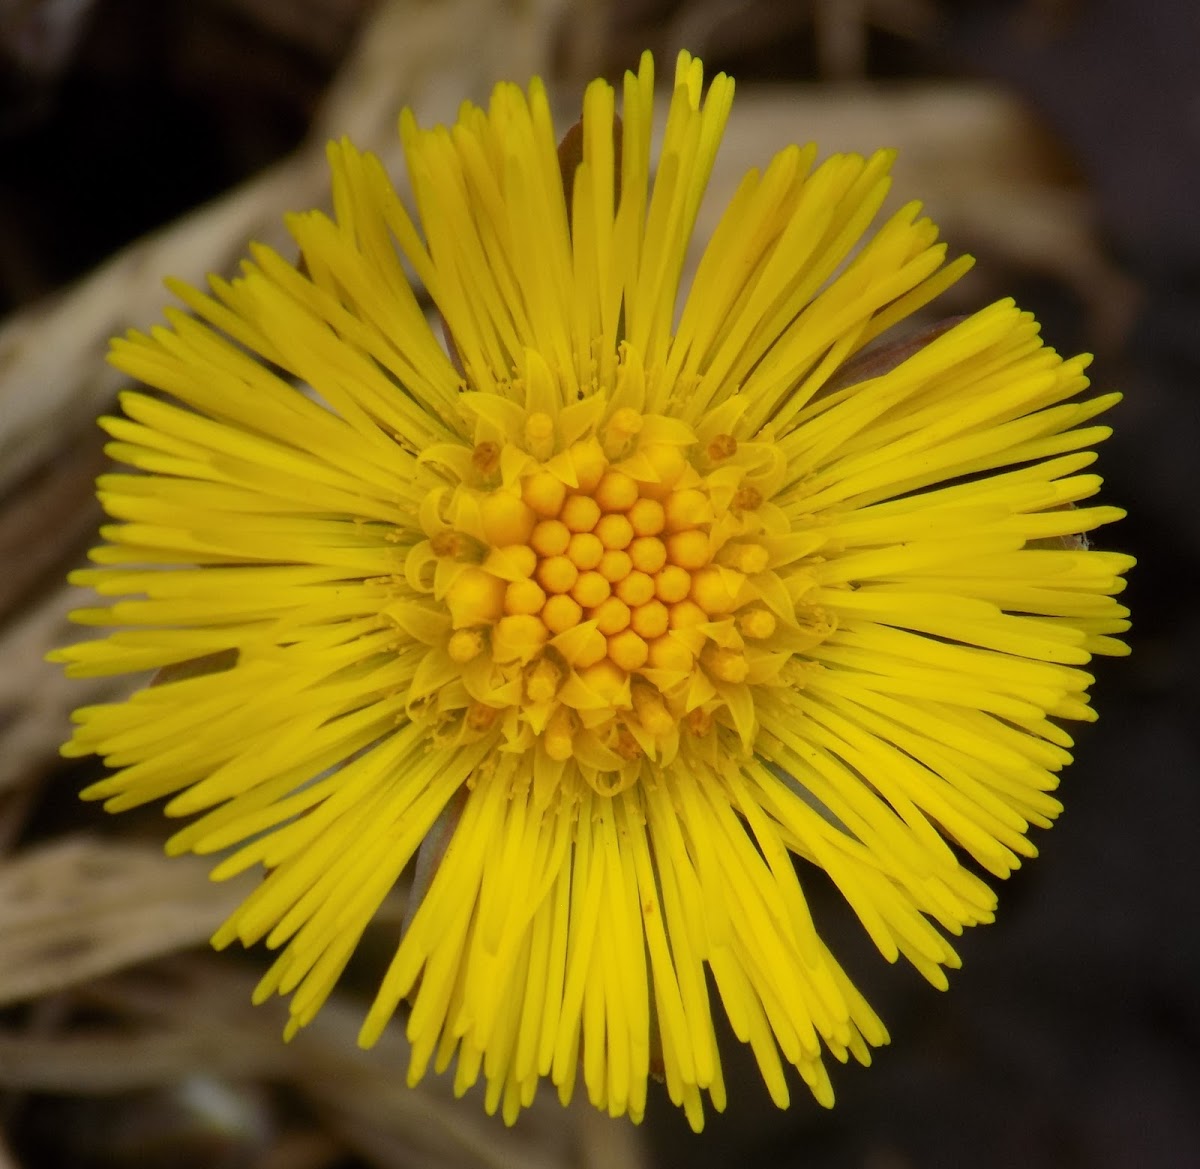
point(602, 584)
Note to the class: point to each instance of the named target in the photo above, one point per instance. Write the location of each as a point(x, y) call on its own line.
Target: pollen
point(465, 645)
point(652, 711)
point(541, 681)
point(558, 740)
point(479, 717)
point(725, 664)
point(449, 544)
point(757, 624)
point(485, 458)
point(721, 447)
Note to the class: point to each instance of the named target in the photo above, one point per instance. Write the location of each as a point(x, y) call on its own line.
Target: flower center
point(607, 596)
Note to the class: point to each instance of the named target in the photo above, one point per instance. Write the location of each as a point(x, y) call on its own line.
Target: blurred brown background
point(1057, 140)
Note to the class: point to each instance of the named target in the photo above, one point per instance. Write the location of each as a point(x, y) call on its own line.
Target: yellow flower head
point(623, 607)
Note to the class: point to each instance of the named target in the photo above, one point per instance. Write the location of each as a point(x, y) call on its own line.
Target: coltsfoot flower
point(623, 609)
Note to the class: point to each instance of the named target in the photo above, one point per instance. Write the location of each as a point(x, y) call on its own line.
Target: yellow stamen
point(485, 458)
point(614, 531)
point(672, 583)
point(721, 447)
point(541, 682)
point(475, 598)
point(636, 589)
point(627, 746)
point(688, 549)
point(668, 463)
point(616, 492)
point(650, 620)
point(559, 736)
point(590, 589)
point(518, 638)
point(713, 590)
point(611, 615)
point(557, 574)
point(667, 653)
point(591, 648)
point(686, 509)
point(622, 428)
point(448, 544)
point(747, 498)
point(747, 558)
point(648, 554)
point(561, 613)
point(544, 493)
point(604, 677)
point(757, 623)
point(589, 463)
point(539, 435)
point(686, 614)
point(585, 550)
point(651, 711)
point(628, 650)
point(580, 513)
point(464, 645)
point(480, 717)
point(524, 596)
point(615, 565)
point(506, 518)
point(550, 538)
point(647, 517)
point(725, 664)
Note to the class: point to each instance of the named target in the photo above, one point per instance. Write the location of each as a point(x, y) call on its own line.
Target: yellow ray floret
point(619, 613)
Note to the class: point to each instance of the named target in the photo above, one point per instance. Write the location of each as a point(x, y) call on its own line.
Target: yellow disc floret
point(604, 593)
